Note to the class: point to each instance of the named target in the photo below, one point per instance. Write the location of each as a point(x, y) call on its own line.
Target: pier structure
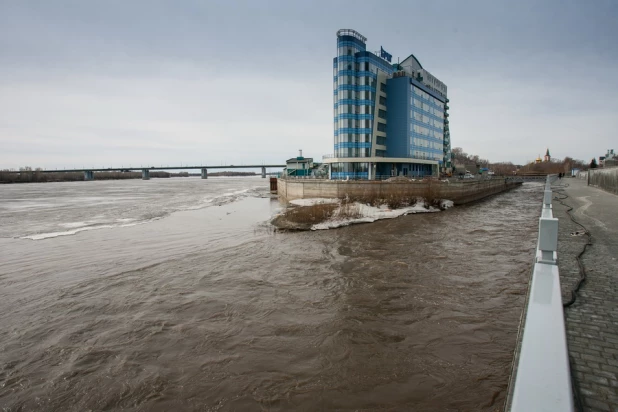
point(460, 192)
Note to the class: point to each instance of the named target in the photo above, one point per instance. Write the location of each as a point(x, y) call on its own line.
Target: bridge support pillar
point(263, 173)
point(204, 173)
point(145, 174)
point(88, 175)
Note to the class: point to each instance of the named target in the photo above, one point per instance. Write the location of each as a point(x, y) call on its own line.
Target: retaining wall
point(458, 192)
point(606, 179)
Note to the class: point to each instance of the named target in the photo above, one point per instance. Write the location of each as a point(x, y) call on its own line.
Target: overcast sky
point(110, 83)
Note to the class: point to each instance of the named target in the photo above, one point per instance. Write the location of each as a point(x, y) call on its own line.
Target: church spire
point(547, 157)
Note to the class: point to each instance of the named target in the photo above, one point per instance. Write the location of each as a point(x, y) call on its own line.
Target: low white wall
point(606, 179)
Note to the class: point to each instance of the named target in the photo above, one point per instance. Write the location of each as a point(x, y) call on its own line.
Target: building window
point(382, 87)
point(383, 100)
point(381, 127)
point(382, 114)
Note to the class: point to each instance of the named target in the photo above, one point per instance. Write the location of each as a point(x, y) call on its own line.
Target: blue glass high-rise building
point(389, 119)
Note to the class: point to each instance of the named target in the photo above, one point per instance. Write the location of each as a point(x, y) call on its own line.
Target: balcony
point(446, 114)
point(446, 107)
point(447, 100)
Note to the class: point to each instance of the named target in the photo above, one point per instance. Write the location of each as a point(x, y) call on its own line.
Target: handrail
point(543, 377)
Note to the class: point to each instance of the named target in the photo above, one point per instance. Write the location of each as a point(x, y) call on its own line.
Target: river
point(176, 294)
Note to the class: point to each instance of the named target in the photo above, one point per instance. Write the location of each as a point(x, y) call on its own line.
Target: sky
point(147, 82)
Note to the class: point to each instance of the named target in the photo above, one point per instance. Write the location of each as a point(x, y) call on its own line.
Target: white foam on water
point(49, 235)
point(144, 209)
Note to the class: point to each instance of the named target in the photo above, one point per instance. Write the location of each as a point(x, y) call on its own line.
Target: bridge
point(89, 172)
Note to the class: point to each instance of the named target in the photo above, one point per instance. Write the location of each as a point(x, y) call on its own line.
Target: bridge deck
point(592, 321)
point(138, 168)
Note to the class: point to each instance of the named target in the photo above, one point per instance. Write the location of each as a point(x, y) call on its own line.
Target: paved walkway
point(592, 321)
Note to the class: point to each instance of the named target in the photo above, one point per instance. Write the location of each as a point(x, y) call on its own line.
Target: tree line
point(554, 166)
point(28, 175)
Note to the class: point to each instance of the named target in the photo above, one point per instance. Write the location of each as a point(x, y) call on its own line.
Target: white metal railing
point(543, 377)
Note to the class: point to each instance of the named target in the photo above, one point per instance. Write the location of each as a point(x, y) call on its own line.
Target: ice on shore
point(364, 213)
point(370, 214)
point(314, 201)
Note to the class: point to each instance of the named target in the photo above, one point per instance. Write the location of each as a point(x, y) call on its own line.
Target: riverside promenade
point(592, 320)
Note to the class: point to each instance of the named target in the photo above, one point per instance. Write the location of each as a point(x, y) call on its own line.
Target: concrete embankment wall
point(606, 179)
point(458, 192)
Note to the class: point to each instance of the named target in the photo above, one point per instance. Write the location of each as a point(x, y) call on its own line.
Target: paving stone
point(597, 405)
point(592, 321)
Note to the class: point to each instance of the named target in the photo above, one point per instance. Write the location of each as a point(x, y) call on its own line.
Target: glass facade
point(354, 89)
point(362, 117)
point(426, 126)
point(346, 170)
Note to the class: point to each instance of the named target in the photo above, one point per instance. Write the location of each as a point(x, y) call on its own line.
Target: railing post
point(548, 239)
point(547, 196)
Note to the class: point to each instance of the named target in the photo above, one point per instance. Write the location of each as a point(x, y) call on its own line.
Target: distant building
point(389, 119)
point(546, 158)
point(299, 166)
point(609, 160)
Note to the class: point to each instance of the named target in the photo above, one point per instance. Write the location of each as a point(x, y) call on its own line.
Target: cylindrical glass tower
point(349, 122)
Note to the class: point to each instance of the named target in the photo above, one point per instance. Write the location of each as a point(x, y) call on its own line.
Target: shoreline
point(324, 214)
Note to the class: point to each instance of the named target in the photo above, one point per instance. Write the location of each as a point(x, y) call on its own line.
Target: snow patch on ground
point(314, 201)
point(368, 214)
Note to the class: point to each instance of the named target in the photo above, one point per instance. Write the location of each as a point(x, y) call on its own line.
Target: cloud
point(191, 81)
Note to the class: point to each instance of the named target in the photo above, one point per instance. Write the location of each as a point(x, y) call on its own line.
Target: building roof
point(300, 160)
point(547, 152)
point(415, 59)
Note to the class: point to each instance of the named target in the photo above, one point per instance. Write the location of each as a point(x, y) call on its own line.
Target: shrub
point(348, 209)
point(310, 214)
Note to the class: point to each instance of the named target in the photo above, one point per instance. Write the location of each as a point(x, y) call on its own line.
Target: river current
point(176, 294)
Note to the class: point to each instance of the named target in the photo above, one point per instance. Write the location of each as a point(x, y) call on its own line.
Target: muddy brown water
point(210, 310)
